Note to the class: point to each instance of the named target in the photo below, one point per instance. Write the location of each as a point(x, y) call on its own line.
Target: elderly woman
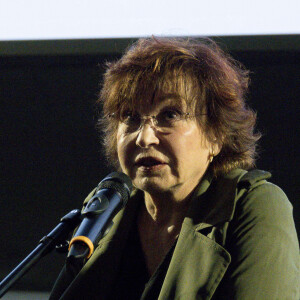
point(198, 225)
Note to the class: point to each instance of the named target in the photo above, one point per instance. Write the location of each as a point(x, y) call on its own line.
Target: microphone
point(110, 197)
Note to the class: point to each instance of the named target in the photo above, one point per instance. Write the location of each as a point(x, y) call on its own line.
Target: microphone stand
point(46, 245)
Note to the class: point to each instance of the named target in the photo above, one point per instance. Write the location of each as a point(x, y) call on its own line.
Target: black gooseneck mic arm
point(46, 244)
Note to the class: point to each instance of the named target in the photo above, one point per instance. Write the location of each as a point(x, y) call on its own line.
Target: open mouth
point(149, 162)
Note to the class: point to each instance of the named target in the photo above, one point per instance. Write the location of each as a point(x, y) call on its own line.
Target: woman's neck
point(159, 224)
point(165, 211)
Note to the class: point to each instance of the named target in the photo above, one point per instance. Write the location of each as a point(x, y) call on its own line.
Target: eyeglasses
point(165, 121)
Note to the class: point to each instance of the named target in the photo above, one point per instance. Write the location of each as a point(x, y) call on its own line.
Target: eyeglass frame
point(154, 121)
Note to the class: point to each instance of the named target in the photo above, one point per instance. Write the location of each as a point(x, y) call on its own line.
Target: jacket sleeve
point(264, 249)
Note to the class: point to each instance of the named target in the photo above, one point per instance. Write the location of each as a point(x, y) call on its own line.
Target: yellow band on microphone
point(84, 240)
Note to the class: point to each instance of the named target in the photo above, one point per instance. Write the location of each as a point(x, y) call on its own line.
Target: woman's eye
point(130, 117)
point(171, 115)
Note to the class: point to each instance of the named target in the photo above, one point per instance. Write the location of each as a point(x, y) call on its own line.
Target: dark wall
point(51, 156)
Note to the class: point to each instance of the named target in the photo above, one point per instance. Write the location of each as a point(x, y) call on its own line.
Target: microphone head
point(119, 182)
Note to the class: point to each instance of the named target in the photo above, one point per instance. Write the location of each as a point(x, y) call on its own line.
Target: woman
point(197, 226)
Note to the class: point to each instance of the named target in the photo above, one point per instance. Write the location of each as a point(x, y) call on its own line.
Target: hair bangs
point(138, 89)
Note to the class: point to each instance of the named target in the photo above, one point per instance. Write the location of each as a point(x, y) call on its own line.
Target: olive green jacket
point(238, 241)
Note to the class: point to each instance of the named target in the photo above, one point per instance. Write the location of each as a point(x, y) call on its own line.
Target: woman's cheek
point(125, 152)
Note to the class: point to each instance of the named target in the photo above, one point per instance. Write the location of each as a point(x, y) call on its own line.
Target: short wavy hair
point(211, 83)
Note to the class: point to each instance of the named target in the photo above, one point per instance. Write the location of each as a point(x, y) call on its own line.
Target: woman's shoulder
point(256, 192)
point(249, 196)
point(263, 208)
point(255, 187)
point(262, 240)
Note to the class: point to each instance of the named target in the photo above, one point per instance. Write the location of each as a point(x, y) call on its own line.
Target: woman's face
point(158, 161)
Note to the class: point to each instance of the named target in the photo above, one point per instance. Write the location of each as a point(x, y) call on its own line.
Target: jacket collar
point(213, 201)
point(197, 252)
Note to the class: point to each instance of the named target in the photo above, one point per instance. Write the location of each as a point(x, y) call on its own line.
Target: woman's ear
point(215, 148)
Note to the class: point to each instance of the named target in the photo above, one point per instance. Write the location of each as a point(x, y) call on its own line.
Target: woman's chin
point(151, 184)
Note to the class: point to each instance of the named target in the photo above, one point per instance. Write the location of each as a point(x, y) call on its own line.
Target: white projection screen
point(99, 19)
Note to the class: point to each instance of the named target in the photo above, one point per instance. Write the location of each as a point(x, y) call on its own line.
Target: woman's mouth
point(149, 163)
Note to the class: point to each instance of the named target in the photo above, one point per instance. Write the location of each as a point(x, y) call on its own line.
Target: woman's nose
point(147, 136)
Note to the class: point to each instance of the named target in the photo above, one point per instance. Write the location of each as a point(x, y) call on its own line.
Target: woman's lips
point(152, 168)
point(150, 163)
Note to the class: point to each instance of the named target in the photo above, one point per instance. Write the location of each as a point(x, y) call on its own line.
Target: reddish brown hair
point(207, 79)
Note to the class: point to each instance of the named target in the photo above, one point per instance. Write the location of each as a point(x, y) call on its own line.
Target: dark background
point(50, 151)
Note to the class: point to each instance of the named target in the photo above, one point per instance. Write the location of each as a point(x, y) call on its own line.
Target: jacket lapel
point(199, 261)
point(197, 266)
